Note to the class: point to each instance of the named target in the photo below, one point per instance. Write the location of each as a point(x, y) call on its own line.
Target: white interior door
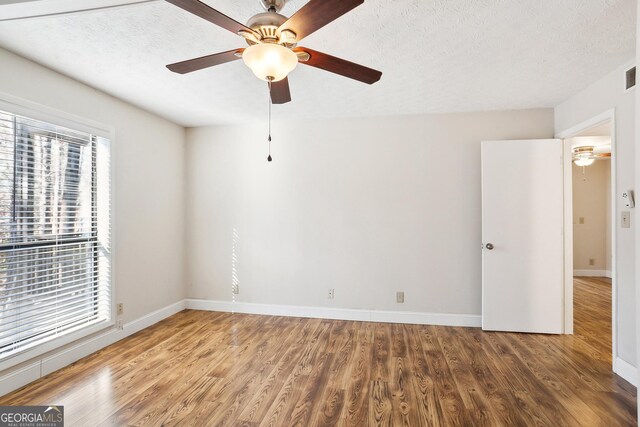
point(522, 251)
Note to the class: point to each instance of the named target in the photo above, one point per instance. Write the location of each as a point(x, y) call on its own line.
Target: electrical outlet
point(120, 309)
point(119, 325)
point(236, 289)
point(400, 297)
point(332, 293)
point(592, 261)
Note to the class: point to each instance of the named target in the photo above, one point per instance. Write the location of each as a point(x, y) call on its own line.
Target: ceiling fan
point(272, 38)
point(585, 155)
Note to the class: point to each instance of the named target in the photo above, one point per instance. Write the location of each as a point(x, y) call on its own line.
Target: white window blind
point(54, 232)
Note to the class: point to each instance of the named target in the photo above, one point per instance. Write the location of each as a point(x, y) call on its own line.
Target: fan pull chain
point(269, 139)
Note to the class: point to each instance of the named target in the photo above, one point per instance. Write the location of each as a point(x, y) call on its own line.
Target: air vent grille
point(630, 78)
point(268, 32)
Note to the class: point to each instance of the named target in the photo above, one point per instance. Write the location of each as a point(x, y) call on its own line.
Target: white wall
point(366, 206)
point(591, 203)
point(601, 96)
point(149, 173)
point(637, 193)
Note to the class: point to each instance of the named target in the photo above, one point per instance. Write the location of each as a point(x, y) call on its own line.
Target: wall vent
point(630, 78)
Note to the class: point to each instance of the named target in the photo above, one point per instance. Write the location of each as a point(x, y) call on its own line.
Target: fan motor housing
point(585, 149)
point(266, 24)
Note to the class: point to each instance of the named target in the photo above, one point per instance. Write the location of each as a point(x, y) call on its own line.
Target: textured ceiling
point(598, 136)
point(604, 129)
point(436, 55)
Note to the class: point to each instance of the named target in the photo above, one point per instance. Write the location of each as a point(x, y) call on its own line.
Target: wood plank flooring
point(592, 311)
point(208, 369)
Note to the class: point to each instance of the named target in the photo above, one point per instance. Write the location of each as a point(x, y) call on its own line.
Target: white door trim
point(608, 115)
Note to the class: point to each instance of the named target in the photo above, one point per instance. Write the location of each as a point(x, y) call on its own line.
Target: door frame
point(608, 115)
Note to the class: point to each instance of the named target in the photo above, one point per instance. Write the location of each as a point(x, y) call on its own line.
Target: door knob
point(489, 246)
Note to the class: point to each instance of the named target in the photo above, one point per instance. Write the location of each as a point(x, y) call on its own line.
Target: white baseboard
point(592, 273)
point(52, 362)
point(19, 377)
point(470, 320)
point(626, 371)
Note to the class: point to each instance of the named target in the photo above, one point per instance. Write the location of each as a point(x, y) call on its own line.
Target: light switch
point(581, 221)
point(626, 219)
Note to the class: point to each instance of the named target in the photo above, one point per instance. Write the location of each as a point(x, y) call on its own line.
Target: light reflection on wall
point(235, 281)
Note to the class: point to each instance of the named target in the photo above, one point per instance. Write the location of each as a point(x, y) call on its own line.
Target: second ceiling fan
point(273, 39)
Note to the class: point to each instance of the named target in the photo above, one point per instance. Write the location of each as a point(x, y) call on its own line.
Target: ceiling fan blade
point(205, 61)
point(280, 93)
point(316, 14)
point(210, 14)
point(340, 66)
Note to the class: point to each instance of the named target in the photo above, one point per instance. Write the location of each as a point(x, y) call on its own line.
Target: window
point(54, 232)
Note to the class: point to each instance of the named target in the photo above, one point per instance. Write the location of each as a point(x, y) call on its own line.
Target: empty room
point(318, 213)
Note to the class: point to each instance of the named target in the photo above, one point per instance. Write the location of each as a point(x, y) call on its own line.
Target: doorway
point(590, 292)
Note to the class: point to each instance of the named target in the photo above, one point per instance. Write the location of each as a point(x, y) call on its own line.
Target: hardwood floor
point(592, 311)
point(202, 368)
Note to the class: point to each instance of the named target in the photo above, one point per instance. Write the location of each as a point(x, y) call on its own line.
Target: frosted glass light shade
point(584, 161)
point(270, 61)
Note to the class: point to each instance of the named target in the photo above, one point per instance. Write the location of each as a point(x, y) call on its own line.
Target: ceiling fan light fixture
point(270, 61)
point(584, 161)
point(583, 156)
